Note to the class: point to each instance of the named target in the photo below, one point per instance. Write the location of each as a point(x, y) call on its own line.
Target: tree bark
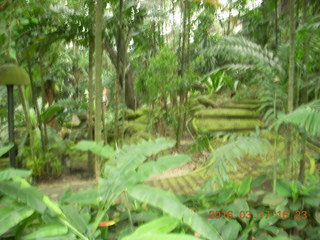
point(36, 107)
point(276, 25)
point(43, 95)
point(304, 90)
point(98, 81)
point(27, 119)
point(181, 94)
point(291, 72)
point(290, 82)
point(90, 97)
point(130, 98)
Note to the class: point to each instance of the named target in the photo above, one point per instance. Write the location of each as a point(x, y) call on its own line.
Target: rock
point(133, 127)
point(225, 124)
point(241, 105)
point(75, 121)
point(197, 108)
point(207, 102)
point(132, 115)
point(226, 113)
point(137, 137)
point(143, 120)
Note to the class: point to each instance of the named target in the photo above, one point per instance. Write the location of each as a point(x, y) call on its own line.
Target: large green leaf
point(75, 218)
point(11, 172)
point(244, 187)
point(163, 163)
point(168, 203)
point(231, 230)
point(31, 196)
point(268, 221)
point(272, 199)
point(84, 197)
point(161, 237)
point(131, 156)
point(283, 189)
point(5, 149)
point(49, 230)
point(105, 151)
point(9, 217)
point(51, 111)
point(159, 226)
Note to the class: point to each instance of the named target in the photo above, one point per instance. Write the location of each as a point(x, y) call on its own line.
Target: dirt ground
point(55, 188)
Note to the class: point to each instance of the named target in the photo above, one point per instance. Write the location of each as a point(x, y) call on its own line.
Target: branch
point(112, 52)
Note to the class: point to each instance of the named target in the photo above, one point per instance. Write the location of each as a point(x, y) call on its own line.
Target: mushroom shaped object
point(10, 75)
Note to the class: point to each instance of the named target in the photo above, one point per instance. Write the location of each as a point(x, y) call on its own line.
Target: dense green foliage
point(235, 83)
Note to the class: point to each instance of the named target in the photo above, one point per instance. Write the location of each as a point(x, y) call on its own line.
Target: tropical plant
point(123, 173)
point(246, 211)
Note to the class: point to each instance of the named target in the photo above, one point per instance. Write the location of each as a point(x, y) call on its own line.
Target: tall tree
point(98, 81)
point(276, 24)
point(119, 66)
point(184, 5)
point(291, 71)
point(90, 90)
point(303, 92)
point(290, 79)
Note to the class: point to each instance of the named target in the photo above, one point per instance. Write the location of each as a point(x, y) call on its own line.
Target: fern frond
point(227, 155)
point(306, 117)
point(237, 48)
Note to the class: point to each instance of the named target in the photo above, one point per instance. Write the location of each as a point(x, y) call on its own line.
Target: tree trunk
point(181, 102)
point(118, 77)
point(36, 107)
point(43, 95)
point(27, 119)
point(98, 81)
point(91, 99)
point(173, 27)
point(276, 25)
point(290, 82)
point(304, 90)
point(291, 59)
point(303, 160)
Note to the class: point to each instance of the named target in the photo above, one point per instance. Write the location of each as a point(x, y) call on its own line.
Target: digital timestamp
point(260, 214)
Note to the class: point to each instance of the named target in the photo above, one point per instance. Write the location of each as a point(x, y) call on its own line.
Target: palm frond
point(227, 155)
point(240, 48)
point(306, 117)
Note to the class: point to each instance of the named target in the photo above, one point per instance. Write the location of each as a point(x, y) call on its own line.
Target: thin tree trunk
point(36, 107)
point(276, 24)
point(123, 104)
point(181, 102)
point(98, 81)
point(91, 99)
point(304, 90)
point(27, 118)
point(291, 59)
point(43, 95)
point(187, 64)
point(290, 82)
point(173, 26)
point(118, 77)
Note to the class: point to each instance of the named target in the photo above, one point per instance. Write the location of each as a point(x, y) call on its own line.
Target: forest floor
point(55, 188)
